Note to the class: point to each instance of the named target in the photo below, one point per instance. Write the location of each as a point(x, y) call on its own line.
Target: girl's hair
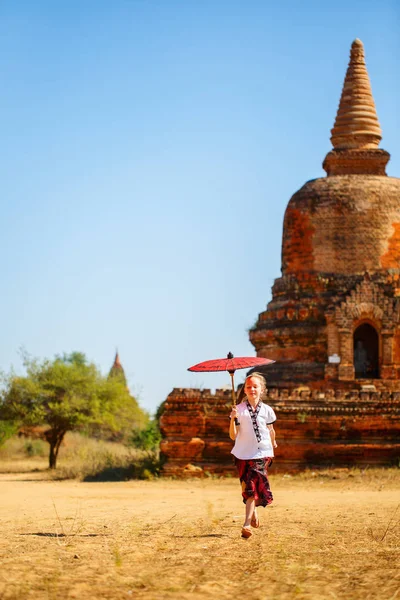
point(256, 375)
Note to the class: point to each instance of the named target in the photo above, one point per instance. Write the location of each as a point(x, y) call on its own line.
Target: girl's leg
point(250, 507)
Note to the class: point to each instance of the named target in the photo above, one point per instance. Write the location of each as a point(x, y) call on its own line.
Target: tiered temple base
point(314, 429)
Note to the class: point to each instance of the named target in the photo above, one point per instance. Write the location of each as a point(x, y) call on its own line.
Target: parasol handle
point(231, 373)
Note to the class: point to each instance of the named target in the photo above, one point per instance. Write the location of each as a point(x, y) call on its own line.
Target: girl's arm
point(272, 434)
point(232, 425)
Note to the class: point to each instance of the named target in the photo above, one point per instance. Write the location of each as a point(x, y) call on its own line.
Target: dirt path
point(328, 536)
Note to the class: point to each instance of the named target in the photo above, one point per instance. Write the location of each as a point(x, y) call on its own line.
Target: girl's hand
point(234, 413)
point(275, 445)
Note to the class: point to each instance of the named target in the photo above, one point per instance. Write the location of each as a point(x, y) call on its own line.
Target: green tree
point(68, 394)
point(7, 430)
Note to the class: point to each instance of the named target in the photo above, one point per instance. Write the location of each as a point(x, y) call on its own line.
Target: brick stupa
point(333, 324)
point(338, 297)
point(117, 370)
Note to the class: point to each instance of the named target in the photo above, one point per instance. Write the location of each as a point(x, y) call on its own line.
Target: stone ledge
point(330, 395)
point(339, 408)
point(197, 397)
point(188, 392)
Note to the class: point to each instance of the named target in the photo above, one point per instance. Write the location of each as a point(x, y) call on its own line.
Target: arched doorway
point(366, 352)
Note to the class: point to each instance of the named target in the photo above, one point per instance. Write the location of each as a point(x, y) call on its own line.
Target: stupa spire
point(356, 133)
point(117, 362)
point(357, 125)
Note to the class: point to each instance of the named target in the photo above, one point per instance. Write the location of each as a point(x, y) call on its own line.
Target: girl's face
point(253, 388)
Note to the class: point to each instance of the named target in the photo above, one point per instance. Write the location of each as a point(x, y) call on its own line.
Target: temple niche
point(333, 323)
point(366, 352)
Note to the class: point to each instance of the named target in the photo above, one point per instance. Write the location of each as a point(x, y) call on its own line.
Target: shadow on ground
point(63, 535)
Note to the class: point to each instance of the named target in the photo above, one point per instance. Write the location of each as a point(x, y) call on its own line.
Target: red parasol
point(231, 364)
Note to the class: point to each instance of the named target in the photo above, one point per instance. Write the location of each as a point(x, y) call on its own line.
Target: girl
point(254, 448)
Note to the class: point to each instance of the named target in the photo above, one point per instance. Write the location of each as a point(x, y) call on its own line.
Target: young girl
point(254, 448)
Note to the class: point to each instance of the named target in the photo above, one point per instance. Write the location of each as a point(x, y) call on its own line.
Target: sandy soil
point(329, 535)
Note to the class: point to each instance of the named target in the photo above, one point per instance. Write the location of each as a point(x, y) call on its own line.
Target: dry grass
point(79, 456)
point(334, 534)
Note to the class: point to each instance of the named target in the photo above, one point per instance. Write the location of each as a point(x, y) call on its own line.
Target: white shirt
point(246, 445)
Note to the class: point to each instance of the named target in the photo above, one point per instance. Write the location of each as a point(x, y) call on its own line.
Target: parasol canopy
point(231, 364)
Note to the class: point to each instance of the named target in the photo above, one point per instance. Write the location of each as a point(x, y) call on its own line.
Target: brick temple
point(333, 323)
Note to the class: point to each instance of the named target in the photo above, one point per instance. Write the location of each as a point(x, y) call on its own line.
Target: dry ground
point(334, 534)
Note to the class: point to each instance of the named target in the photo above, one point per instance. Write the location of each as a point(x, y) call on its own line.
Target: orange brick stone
point(195, 427)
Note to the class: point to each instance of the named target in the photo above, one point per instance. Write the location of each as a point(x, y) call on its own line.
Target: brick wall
point(314, 428)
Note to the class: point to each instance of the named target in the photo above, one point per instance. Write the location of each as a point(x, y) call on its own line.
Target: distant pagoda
point(117, 370)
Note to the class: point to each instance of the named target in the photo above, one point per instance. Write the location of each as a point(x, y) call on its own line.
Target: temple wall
point(314, 429)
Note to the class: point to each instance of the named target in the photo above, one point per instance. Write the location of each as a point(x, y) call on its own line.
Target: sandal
point(246, 532)
point(255, 521)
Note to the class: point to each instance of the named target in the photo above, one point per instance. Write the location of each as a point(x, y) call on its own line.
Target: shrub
point(35, 448)
point(148, 438)
point(145, 466)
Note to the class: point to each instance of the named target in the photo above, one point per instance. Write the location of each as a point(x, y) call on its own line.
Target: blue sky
point(148, 152)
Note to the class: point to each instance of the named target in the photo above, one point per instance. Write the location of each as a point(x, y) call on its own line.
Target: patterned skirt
point(254, 479)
